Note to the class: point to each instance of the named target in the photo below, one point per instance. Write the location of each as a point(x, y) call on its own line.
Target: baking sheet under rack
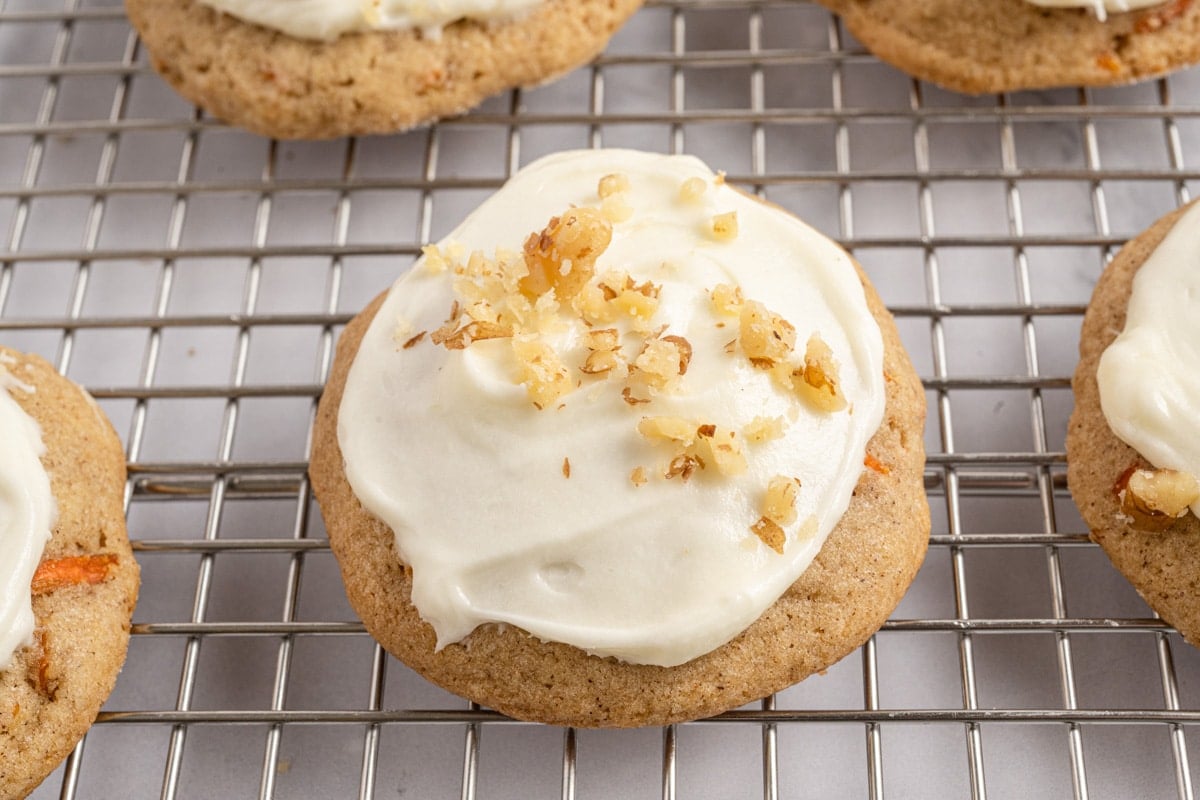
point(195, 278)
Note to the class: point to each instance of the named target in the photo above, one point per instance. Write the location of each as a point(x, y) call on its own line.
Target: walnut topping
point(615, 209)
point(435, 262)
point(726, 299)
point(601, 362)
point(638, 476)
point(763, 429)
point(685, 351)
point(453, 337)
point(613, 184)
point(662, 361)
point(603, 339)
point(670, 429)
point(722, 447)
point(545, 377)
point(724, 227)
point(563, 256)
point(683, 466)
point(817, 382)
point(691, 190)
point(627, 396)
point(414, 341)
point(779, 503)
point(771, 534)
point(1156, 498)
point(766, 337)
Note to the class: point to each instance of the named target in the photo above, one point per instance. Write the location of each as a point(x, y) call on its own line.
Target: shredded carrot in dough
point(55, 573)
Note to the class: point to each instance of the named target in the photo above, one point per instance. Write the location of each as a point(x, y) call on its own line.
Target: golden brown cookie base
point(846, 594)
point(83, 631)
point(978, 46)
point(378, 82)
point(1163, 566)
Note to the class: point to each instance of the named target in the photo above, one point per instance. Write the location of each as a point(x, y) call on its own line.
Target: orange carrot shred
point(873, 463)
point(56, 573)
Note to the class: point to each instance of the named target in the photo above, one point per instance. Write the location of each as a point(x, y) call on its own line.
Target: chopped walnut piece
point(545, 377)
point(627, 396)
point(1156, 498)
point(600, 362)
point(455, 338)
point(726, 299)
point(670, 429)
point(661, 362)
point(724, 227)
point(722, 447)
point(763, 429)
point(638, 476)
point(817, 381)
point(683, 466)
point(691, 190)
point(612, 184)
point(779, 503)
point(603, 339)
point(766, 337)
point(563, 256)
point(433, 260)
point(685, 351)
point(615, 209)
point(771, 534)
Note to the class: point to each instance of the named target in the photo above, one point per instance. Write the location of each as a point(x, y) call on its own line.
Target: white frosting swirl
point(1149, 377)
point(448, 450)
point(1101, 7)
point(329, 19)
point(26, 516)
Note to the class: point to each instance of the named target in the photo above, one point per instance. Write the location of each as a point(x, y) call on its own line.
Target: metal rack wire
point(195, 277)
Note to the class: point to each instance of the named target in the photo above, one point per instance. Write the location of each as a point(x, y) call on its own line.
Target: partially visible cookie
point(1163, 565)
point(84, 590)
point(363, 83)
point(979, 46)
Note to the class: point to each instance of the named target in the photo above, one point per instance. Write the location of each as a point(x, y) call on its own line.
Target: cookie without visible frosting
point(843, 597)
point(1164, 566)
point(978, 46)
point(375, 82)
point(52, 691)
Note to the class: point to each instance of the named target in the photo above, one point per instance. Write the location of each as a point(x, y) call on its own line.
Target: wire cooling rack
point(195, 278)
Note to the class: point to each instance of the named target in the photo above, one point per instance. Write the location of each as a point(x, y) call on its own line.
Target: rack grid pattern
point(195, 277)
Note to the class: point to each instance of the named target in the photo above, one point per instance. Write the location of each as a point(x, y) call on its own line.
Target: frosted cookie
point(978, 46)
point(629, 447)
point(317, 69)
point(1133, 446)
point(68, 580)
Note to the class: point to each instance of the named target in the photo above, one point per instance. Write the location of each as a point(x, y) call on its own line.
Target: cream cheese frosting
point(328, 19)
point(26, 516)
point(1102, 8)
point(510, 514)
point(1149, 377)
